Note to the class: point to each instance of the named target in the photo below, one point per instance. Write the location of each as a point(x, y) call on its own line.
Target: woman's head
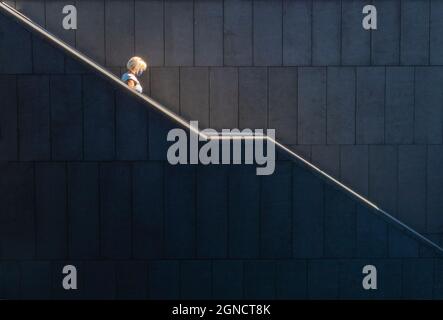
point(136, 65)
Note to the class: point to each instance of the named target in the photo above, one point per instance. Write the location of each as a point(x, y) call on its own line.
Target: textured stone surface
point(88, 184)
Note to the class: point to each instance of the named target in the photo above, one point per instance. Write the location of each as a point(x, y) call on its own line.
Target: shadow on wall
point(370, 115)
point(84, 179)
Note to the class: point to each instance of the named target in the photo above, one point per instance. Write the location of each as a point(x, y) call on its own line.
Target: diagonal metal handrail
point(204, 135)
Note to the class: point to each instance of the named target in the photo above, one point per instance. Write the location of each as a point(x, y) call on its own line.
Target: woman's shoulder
point(129, 76)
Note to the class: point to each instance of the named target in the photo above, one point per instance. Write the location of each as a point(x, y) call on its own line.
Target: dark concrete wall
point(84, 182)
point(366, 106)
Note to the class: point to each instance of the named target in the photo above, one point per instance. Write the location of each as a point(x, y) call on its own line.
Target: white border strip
point(32, 25)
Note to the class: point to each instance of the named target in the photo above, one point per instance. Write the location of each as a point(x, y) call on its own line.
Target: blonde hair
point(136, 65)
